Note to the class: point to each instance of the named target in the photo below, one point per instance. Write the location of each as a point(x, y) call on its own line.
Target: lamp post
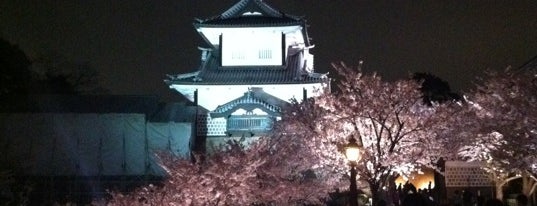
point(352, 152)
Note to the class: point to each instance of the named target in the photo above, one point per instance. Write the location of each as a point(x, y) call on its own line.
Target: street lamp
point(352, 152)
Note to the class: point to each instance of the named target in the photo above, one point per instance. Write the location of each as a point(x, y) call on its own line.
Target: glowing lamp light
point(352, 151)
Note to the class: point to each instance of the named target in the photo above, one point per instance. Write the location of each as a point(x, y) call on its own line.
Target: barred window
point(249, 123)
point(238, 55)
point(265, 54)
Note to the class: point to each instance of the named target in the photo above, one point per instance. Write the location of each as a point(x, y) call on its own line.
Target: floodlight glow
point(353, 154)
point(352, 151)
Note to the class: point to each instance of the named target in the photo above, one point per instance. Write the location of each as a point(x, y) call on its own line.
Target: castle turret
point(256, 59)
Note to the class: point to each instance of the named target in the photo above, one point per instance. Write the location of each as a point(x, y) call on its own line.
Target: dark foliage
point(21, 75)
point(434, 89)
point(14, 69)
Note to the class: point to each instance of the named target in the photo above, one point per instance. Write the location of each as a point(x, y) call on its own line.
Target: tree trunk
point(499, 190)
point(499, 186)
point(534, 200)
point(375, 196)
point(528, 184)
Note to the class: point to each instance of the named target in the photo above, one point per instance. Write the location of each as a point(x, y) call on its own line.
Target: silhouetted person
point(400, 192)
point(521, 200)
point(381, 203)
point(467, 197)
point(480, 200)
point(413, 198)
point(393, 194)
point(457, 199)
point(428, 195)
point(494, 202)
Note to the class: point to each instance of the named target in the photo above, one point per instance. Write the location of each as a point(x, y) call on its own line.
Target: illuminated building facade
point(256, 60)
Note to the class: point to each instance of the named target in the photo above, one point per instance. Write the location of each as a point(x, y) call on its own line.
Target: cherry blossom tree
point(503, 110)
point(238, 175)
point(302, 161)
point(399, 133)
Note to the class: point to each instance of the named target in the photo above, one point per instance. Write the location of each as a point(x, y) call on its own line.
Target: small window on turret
point(265, 54)
point(238, 55)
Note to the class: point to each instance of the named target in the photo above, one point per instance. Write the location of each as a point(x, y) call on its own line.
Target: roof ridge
point(530, 64)
point(238, 9)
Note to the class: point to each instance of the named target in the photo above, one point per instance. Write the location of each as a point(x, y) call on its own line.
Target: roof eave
point(192, 82)
point(204, 25)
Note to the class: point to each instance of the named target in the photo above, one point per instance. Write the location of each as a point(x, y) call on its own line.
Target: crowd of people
point(466, 198)
point(408, 195)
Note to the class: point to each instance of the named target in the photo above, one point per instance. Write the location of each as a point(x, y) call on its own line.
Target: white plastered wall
point(210, 96)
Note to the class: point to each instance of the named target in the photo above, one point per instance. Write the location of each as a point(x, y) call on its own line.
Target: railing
point(254, 123)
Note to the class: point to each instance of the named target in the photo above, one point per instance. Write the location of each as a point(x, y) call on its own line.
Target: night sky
point(134, 43)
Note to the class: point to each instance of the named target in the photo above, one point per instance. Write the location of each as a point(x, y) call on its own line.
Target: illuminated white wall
point(210, 96)
point(293, 33)
point(252, 48)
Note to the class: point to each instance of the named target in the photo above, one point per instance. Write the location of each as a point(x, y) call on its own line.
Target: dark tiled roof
point(175, 112)
point(255, 98)
point(250, 21)
point(266, 16)
point(211, 73)
point(530, 65)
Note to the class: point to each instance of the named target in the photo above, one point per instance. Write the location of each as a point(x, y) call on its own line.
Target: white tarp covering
point(52, 144)
point(170, 137)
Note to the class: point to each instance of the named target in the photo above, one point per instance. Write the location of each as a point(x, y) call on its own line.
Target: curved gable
point(253, 99)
